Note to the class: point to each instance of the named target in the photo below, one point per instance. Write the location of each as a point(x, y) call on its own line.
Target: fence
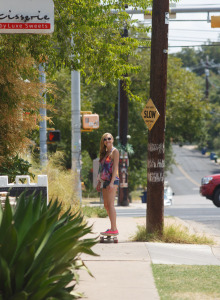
point(15, 189)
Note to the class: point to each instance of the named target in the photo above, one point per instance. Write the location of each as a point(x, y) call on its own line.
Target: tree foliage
point(87, 37)
point(185, 114)
point(186, 106)
point(207, 57)
point(19, 102)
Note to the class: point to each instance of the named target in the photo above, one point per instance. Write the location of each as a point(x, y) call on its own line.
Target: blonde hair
point(102, 151)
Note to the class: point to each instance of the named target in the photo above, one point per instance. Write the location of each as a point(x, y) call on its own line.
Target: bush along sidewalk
point(171, 234)
point(39, 250)
point(94, 212)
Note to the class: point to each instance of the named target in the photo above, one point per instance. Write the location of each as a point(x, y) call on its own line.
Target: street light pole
point(156, 137)
point(76, 130)
point(43, 122)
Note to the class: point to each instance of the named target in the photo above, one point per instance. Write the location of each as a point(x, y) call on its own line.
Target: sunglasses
point(107, 139)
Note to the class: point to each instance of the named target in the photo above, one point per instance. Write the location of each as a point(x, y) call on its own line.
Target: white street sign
point(27, 16)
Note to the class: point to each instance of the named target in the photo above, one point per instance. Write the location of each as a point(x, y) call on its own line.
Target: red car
point(210, 188)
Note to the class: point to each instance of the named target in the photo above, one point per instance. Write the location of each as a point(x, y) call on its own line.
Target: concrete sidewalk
point(123, 270)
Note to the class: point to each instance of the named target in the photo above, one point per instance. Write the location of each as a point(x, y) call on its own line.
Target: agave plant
point(39, 250)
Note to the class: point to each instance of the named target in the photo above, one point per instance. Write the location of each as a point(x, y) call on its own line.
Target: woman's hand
point(111, 185)
point(98, 187)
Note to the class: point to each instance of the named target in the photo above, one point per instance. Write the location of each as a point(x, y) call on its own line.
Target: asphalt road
point(190, 167)
point(185, 181)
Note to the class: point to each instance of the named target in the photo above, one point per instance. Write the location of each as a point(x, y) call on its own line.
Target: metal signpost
point(75, 131)
point(43, 121)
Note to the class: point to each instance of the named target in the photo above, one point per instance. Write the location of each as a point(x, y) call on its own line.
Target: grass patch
point(94, 212)
point(61, 182)
point(172, 234)
point(187, 282)
point(136, 195)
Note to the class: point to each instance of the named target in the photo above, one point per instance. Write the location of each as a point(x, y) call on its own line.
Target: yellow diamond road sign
point(150, 114)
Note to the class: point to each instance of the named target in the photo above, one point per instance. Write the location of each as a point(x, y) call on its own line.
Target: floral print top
point(106, 169)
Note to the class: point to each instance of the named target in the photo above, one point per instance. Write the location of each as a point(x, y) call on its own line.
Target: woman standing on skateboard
point(108, 178)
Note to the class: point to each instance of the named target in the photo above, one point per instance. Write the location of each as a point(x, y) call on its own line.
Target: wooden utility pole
point(156, 137)
point(123, 132)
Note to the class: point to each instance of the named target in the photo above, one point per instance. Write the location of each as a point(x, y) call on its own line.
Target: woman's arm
point(115, 157)
point(98, 186)
point(99, 173)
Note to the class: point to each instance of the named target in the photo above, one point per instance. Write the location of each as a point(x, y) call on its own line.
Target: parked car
point(210, 188)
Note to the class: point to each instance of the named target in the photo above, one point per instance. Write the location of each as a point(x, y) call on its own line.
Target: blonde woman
point(108, 178)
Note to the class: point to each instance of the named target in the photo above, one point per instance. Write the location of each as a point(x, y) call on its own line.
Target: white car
point(168, 195)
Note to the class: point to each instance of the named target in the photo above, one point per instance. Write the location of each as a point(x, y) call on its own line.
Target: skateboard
point(108, 238)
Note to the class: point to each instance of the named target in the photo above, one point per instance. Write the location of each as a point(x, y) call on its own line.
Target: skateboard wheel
point(102, 239)
point(115, 240)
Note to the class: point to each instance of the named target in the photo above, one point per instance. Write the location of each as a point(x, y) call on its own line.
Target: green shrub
point(39, 250)
point(14, 166)
point(171, 234)
point(62, 183)
point(90, 212)
point(89, 191)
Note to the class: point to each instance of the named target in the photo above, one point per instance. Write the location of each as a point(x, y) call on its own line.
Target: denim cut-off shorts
point(106, 183)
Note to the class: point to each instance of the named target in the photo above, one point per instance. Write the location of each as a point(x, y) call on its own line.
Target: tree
point(189, 57)
point(186, 107)
point(19, 101)
point(186, 112)
point(97, 45)
point(96, 50)
point(207, 57)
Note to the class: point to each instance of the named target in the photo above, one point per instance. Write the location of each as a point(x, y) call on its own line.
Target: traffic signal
point(54, 136)
point(90, 121)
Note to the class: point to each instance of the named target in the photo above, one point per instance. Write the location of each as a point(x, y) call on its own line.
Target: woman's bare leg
point(105, 199)
point(111, 207)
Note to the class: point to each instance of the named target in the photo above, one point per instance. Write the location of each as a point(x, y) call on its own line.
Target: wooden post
point(123, 132)
point(156, 137)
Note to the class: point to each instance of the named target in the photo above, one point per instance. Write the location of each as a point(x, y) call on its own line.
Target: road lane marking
point(132, 214)
point(187, 176)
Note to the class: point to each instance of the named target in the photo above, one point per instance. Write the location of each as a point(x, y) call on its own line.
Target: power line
point(202, 30)
point(190, 39)
point(174, 39)
point(213, 84)
point(189, 46)
point(187, 40)
point(199, 3)
point(181, 46)
point(196, 5)
point(186, 20)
